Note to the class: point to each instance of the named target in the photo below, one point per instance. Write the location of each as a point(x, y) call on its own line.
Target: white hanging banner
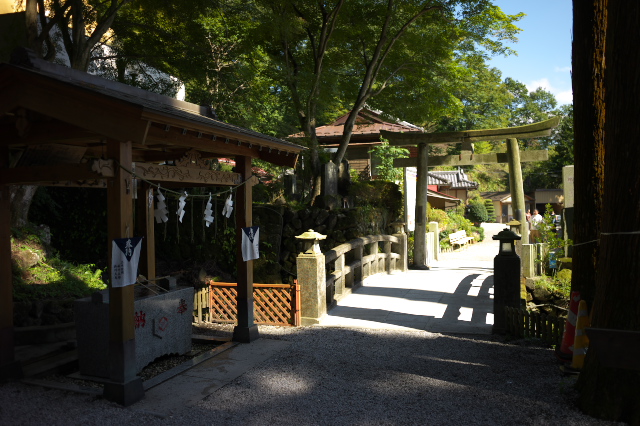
point(208, 218)
point(228, 207)
point(125, 256)
point(250, 243)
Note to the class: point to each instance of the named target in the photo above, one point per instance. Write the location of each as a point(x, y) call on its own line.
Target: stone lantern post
point(312, 278)
point(506, 279)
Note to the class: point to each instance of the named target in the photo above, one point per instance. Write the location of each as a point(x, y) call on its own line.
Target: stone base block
point(124, 393)
point(162, 327)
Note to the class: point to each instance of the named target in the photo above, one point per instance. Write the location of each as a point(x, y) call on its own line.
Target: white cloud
point(562, 96)
point(543, 82)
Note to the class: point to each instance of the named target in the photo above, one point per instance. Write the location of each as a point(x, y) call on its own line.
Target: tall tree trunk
point(21, 198)
point(588, 99)
point(607, 392)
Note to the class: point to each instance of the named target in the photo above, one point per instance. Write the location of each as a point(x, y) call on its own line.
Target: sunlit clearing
point(476, 285)
point(489, 318)
point(465, 314)
point(451, 361)
point(294, 384)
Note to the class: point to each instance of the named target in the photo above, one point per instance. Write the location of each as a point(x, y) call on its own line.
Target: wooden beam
point(61, 172)
point(209, 128)
point(95, 184)
point(224, 145)
point(97, 112)
point(542, 128)
point(145, 228)
point(8, 366)
point(41, 132)
point(10, 98)
point(246, 331)
point(186, 175)
point(474, 159)
point(124, 386)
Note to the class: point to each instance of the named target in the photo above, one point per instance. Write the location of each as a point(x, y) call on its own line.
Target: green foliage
point(477, 212)
point(411, 240)
point(58, 279)
point(491, 212)
point(51, 277)
point(437, 215)
point(226, 254)
point(555, 284)
point(77, 218)
point(478, 232)
point(383, 156)
point(378, 193)
point(553, 243)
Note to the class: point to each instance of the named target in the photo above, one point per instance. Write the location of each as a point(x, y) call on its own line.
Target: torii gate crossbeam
point(421, 140)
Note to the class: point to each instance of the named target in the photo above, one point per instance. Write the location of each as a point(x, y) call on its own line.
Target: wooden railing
point(348, 264)
point(529, 324)
point(274, 304)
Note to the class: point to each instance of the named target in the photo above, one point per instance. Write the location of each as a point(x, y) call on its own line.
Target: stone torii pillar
point(467, 157)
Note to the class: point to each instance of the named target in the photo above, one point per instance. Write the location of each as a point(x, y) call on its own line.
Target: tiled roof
point(369, 122)
point(457, 178)
point(436, 180)
point(501, 196)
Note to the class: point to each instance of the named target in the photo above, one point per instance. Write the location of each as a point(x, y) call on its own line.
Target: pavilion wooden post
point(517, 190)
point(246, 330)
point(9, 368)
point(124, 386)
point(420, 235)
point(145, 226)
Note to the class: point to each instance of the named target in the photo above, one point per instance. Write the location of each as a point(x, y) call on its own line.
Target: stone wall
point(280, 225)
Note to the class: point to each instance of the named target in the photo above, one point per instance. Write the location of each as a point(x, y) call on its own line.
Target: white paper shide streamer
point(161, 214)
point(181, 204)
point(228, 207)
point(208, 213)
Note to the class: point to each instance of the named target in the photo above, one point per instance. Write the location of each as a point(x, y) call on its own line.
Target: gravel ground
point(341, 376)
point(337, 376)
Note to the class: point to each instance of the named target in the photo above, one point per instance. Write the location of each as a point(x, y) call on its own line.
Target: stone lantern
point(311, 241)
point(514, 226)
point(506, 279)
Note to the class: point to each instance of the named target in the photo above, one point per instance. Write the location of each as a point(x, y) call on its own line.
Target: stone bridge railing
point(326, 278)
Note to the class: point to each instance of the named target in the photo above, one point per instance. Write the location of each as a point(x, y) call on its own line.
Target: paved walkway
point(455, 296)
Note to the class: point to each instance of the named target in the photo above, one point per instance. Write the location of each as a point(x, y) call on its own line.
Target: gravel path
point(333, 376)
point(342, 376)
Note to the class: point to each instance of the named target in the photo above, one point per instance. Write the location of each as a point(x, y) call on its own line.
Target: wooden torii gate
point(513, 157)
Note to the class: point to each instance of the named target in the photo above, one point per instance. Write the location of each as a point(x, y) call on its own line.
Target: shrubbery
point(477, 212)
point(491, 211)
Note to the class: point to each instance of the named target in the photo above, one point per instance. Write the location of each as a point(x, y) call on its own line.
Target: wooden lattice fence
point(274, 304)
point(524, 323)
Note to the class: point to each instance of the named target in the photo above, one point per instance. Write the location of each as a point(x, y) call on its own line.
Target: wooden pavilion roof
point(50, 114)
point(369, 124)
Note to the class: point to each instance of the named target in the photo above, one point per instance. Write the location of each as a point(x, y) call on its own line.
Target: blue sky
point(544, 46)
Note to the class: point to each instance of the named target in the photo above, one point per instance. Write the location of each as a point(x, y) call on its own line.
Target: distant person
point(528, 216)
point(535, 222)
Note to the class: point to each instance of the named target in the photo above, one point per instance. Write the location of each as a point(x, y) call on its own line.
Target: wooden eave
point(540, 129)
point(87, 111)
